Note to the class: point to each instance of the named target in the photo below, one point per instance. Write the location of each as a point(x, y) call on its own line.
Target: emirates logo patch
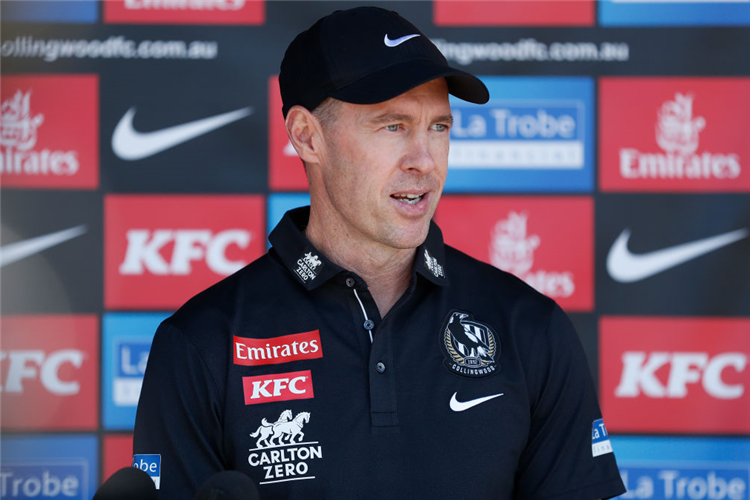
point(470, 347)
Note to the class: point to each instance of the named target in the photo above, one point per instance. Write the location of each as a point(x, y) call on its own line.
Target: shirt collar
point(312, 268)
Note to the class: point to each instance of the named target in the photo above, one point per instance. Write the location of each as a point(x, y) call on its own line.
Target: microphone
point(228, 485)
point(128, 483)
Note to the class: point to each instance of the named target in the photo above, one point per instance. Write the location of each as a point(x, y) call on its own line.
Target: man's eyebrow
point(397, 117)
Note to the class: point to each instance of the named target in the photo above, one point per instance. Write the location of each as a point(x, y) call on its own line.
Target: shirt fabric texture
point(373, 419)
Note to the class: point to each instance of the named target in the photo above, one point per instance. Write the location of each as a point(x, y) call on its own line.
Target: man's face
point(384, 167)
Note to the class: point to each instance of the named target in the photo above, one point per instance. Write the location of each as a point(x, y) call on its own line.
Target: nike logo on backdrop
point(627, 267)
point(129, 144)
point(398, 41)
point(26, 248)
point(457, 405)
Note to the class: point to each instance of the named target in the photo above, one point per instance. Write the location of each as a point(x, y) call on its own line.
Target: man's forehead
point(432, 95)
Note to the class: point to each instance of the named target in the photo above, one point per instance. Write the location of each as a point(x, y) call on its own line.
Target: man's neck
point(386, 271)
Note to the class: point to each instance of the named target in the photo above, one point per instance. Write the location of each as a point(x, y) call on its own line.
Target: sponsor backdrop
point(143, 157)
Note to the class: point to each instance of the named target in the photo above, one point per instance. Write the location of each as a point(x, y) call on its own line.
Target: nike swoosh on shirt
point(626, 267)
point(457, 405)
point(129, 144)
point(398, 41)
point(20, 250)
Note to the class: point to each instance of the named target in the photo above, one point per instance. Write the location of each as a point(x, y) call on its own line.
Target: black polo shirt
point(473, 385)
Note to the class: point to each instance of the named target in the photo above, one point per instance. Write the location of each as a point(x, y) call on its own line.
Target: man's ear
point(306, 134)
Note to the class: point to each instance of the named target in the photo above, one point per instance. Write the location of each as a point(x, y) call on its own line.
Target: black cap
point(366, 55)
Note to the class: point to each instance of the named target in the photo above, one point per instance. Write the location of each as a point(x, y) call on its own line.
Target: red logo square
point(675, 375)
point(285, 172)
point(117, 453)
point(529, 237)
point(50, 372)
point(161, 250)
point(513, 13)
point(674, 134)
point(49, 142)
point(219, 12)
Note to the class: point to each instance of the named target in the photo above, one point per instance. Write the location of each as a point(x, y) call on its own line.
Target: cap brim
point(402, 77)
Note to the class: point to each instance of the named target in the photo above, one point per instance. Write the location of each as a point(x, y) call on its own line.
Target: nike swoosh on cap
point(457, 405)
point(129, 144)
point(398, 41)
point(22, 249)
point(626, 267)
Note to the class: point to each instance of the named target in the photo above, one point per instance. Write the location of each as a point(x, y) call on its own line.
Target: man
point(361, 356)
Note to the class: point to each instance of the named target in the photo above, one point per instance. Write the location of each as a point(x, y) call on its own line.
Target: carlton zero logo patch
point(278, 387)
point(253, 352)
point(281, 451)
point(689, 134)
point(308, 266)
point(471, 348)
point(218, 12)
point(161, 250)
point(48, 142)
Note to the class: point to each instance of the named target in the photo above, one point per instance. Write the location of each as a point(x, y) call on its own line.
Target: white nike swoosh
point(457, 405)
point(626, 267)
point(398, 41)
point(129, 144)
point(26, 248)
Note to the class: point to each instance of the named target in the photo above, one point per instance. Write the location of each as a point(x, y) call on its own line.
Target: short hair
point(327, 111)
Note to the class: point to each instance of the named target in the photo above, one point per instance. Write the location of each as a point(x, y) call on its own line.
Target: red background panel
point(117, 452)
point(235, 12)
point(468, 224)
point(178, 212)
point(36, 407)
point(285, 169)
point(628, 118)
point(698, 412)
point(513, 13)
point(68, 126)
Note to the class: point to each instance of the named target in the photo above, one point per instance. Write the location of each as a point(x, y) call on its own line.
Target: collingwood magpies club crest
point(471, 347)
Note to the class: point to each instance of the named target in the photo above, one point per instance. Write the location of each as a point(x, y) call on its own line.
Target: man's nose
point(421, 153)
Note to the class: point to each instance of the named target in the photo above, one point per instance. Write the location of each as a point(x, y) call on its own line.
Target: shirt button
point(380, 367)
point(369, 324)
point(350, 282)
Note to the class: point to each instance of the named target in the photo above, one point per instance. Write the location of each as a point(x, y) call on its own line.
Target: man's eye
point(391, 128)
point(441, 127)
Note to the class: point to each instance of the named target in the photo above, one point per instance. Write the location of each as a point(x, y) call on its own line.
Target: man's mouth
point(411, 199)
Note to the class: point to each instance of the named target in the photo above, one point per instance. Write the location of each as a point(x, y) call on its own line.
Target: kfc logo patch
point(278, 387)
point(47, 142)
point(693, 367)
point(285, 169)
point(253, 352)
point(513, 13)
point(49, 368)
point(219, 12)
point(690, 138)
point(529, 237)
point(161, 250)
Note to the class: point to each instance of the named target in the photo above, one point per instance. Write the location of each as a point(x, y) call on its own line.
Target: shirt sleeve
point(558, 462)
point(179, 415)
